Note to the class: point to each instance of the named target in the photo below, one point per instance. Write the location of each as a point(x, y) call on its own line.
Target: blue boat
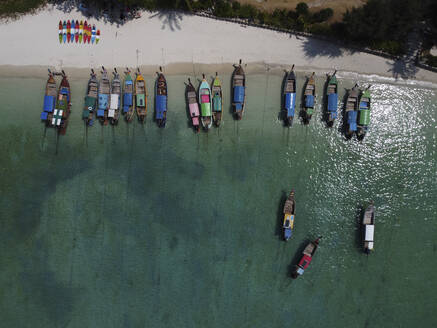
point(332, 99)
point(309, 98)
point(103, 98)
point(289, 92)
point(161, 100)
point(239, 91)
point(352, 111)
point(128, 85)
point(49, 100)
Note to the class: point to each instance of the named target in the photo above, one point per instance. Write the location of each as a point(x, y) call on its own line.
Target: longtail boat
point(49, 100)
point(289, 96)
point(238, 90)
point(351, 110)
point(103, 99)
point(289, 214)
point(128, 90)
point(364, 113)
point(60, 31)
point(217, 100)
point(306, 259)
point(140, 96)
point(90, 100)
point(62, 111)
point(193, 106)
point(114, 106)
point(369, 228)
point(332, 99)
point(309, 98)
point(161, 99)
point(205, 104)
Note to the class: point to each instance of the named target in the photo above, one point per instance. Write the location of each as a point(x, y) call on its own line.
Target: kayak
point(68, 31)
point(98, 36)
point(77, 31)
point(93, 34)
point(60, 31)
point(89, 33)
point(80, 31)
point(73, 30)
point(85, 29)
point(64, 32)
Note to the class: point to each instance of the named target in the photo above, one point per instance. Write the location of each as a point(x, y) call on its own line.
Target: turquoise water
point(136, 226)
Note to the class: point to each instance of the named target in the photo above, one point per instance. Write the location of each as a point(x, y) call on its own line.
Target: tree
point(302, 9)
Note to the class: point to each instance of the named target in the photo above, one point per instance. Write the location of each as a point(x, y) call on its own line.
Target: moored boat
point(332, 99)
point(289, 92)
point(90, 100)
point(114, 106)
point(205, 104)
point(49, 100)
point(140, 96)
point(351, 111)
point(309, 98)
point(62, 110)
point(364, 113)
point(217, 100)
point(306, 259)
point(369, 228)
point(128, 90)
point(289, 214)
point(238, 91)
point(193, 106)
point(103, 98)
point(161, 99)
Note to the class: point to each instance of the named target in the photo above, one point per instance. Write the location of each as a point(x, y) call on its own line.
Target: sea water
point(137, 226)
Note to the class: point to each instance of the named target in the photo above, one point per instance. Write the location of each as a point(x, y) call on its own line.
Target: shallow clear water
point(136, 226)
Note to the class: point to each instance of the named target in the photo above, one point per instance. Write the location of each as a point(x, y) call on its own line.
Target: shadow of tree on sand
point(170, 19)
point(404, 68)
point(313, 48)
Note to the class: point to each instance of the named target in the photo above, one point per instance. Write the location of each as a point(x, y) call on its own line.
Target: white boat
point(369, 228)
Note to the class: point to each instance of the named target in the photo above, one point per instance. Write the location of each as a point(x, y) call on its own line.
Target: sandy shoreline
point(181, 43)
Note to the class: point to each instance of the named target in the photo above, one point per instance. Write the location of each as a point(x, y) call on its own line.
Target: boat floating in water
point(128, 90)
point(114, 106)
point(351, 111)
point(217, 100)
point(103, 100)
point(140, 96)
point(49, 100)
point(363, 114)
point(332, 99)
point(369, 228)
point(205, 104)
point(289, 92)
point(62, 110)
point(289, 214)
point(309, 98)
point(161, 99)
point(306, 259)
point(193, 106)
point(239, 91)
point(90, 100)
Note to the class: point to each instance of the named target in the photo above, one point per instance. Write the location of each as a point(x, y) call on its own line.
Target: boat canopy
point(370, 229)
point(238, 107)
point(287, 233)
point(309, 101)
point(217, 103)
point(205, 109)
point(57, 116)
point(44, 116)
point(115, 101)
point(161, 106)
point(141, 100)
point(100, 113)
point(111, 113)
point(103, 101)
point(290, 103)
point(239, 94)
point(49, 103)
point(85, 114)
point(332, 102)
point(195, 121)
point(194, 109)
point(352, 120)
point(90, 103)
point(305, 261)
point(127, 101)
point(364, 117)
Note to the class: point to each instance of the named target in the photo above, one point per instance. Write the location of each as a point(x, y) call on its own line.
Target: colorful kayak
point(364, 114)
point(205, 104)
point(239, 91)
point(193, 106)
point(306, 259)
point(80, 32)
point(88, 37)
point(351, 111)
point(93, 34)
point(49, 100)
point(217, 100)
point(332, 99)
point(128, 89)
point(77, 31)
point(289, 92)
point(60, 31)
point(161, 100)
point(68, 31)
point(289, 214)
point(64, 31)
point(85, 32)
point(140, 97)
point(103, 97)
point(309, 98)
point(62, 110)
point(73, 30)
point(114, 107)
point(90, 100)
point(97, 36)
point(369, 228)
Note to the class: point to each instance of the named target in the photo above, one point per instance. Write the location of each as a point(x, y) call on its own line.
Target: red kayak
point(77, 31)
point(68, 31)
point(85, 29)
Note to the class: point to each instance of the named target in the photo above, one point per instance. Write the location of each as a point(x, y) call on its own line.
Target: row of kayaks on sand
point(78, 32)
point(289, 211)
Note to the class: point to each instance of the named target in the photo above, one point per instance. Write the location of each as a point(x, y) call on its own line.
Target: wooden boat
point(90, 100)
point(140, 97)
point(114, 105)
point(364, 113)
point(60, 31)
point(238, 91)
point(205, 104)
point(369, 228)
point(217, 100)
point(332, 99)
point(49, 100)
point(63, 104)
point(306, 259)
point(103, 97)
point(309, 98)
point(161, 99)
point(351, 110)
point(289, 214)
point(128, 90)
point(193, 106)
point(289, 92)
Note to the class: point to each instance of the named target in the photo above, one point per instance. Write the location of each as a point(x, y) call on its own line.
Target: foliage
point(12, 8)
point(431, 60)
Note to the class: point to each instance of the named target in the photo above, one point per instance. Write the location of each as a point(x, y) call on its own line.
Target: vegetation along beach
point(218, 163)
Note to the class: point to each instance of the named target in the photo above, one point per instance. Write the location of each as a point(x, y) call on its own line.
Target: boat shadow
point(280, 216)
point(282, 115)
point(342, 128)
point(302, 113)
point(325, 114)
point(359, 238)
point(296, 258)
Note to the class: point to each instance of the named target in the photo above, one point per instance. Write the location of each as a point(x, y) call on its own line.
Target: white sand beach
point(170, 38)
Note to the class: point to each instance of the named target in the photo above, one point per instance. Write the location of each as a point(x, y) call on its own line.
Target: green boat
point(90, 99)
point(217, 100)
point(332, 99)
point(364, 113)
point(205, 104)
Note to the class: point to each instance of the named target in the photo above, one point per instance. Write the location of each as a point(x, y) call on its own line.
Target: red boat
point(77, 32)
point(306, 259)
point(85, 30)
point(68, 31)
